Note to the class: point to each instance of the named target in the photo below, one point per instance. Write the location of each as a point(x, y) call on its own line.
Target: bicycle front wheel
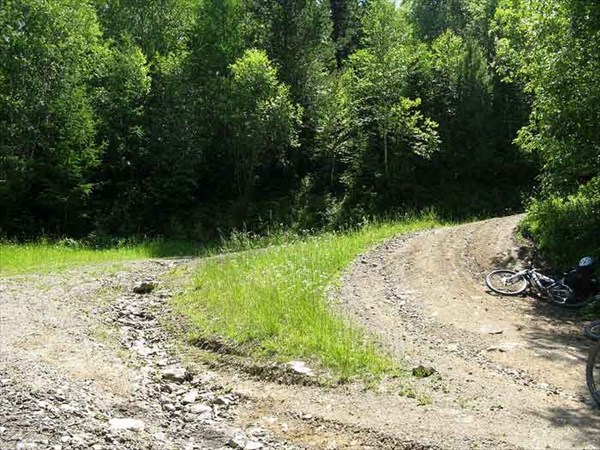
point(506, 282)
point(592, 373)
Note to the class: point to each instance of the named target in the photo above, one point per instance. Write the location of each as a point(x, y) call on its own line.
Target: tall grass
point(274, 301)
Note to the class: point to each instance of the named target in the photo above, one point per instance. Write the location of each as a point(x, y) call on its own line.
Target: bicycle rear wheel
point(504, 281)
point(592, 373)
point(561, 294)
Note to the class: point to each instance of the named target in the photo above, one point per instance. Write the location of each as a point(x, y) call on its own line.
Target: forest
point(191, 118)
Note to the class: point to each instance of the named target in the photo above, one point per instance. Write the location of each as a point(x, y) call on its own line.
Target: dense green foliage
point(185, 118)
point(553, 49)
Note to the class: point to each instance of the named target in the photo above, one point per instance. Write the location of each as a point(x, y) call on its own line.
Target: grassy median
point(273, 302)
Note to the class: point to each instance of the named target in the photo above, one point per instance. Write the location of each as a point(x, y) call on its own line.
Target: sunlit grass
point(48, 257)
point(274, 302)
point(44, 257)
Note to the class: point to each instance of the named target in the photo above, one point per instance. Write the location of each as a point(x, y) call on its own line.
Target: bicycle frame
point(542, 282)
point(539, 281)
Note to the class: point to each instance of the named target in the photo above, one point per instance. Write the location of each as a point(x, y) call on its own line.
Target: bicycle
point(592, 371)
point(511, 282)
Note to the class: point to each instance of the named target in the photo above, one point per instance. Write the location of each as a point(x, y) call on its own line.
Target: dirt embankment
point(84, 362)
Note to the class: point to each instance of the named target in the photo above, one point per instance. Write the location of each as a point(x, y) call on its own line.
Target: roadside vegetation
point(44, 257)
point(273, 303)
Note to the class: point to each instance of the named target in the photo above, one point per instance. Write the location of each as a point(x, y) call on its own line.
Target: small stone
point(125, 424)
point(145, 287)
point(190, 397)
point(2, 430)
point(169, 407)
point(78, 439)
point(490, 329)
point(65, 439)
point(200, 408)
point(237, 442)
point(423, 372)
point(57, 447)
point(222, 401)
point(97, 447)
point(177, 374)
point(504, 347)
point(256, 432)
point(253, 445)
point(301, 368)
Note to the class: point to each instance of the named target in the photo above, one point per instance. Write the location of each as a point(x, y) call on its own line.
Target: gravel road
point(85, 361)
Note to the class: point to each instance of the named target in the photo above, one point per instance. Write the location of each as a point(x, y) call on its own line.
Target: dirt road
point(85, 362)
point(513, 368)
point(510, 372)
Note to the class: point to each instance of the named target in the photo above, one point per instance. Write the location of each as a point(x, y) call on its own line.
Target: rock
point(253, 445)
point(190, 397)
point(200, 408)
point(301, 368)
point(504, 347)
point(26, 445)
point(238, 441)
point(125, 424)
point(490, 329)
point(145, 287)
point(169, 407)
point(256, 432)
point(177, 374)
point(423, 372)
point(189, 417)
point(78, 439)
point(223, 401)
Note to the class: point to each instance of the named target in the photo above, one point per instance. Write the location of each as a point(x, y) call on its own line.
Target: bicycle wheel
point(504, 281)
point(592, 372)
point(592, 330)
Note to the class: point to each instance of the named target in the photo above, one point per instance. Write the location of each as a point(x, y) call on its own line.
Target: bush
point(565, 229)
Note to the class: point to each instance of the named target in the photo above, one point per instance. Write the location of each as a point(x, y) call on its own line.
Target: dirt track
point(513, 367)
point(509, 371)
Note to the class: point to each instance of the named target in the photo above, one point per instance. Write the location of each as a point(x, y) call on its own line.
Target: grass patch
point(42, 257)
point(274, 302)
point(46, 256)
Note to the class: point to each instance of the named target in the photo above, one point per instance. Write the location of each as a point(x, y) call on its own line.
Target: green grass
point(274, 302)
point(43, 257)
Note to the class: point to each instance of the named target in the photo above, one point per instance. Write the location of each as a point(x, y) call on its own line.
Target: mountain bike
point(592, 372)
point(511, 282)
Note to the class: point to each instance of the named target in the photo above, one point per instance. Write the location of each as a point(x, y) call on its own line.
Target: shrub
point(565, 229)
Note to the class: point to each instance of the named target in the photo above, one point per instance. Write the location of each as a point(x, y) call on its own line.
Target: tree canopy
point(188, 118)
